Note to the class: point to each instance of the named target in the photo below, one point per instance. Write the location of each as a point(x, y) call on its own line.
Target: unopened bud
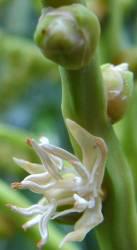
point(118, 82)
point(68, 35)
point(58, 3)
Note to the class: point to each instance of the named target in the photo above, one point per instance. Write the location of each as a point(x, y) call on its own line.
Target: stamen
point(41, 243)
point(29, 141)
point(16, 185)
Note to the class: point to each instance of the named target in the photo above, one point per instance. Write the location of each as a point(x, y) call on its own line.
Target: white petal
point(58, 161)
point(65, 155)
point(46, 160)
point(92, 147)
point(69, 184)
point(44, 140)
point(65, 212)
point(41, 179)
point(37, 188)
point(61, 196)
point(43, 224)
point(86, 141)
point(31, 222)
point(122, 67)
point(82, 203)
point(97, 173)
point(29, 211)
point(90, 219)
point(73, 236)
point(31, 168)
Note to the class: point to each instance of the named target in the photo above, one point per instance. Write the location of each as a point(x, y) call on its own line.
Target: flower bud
point(118, 82)
point(68, 35)
point(58, 3)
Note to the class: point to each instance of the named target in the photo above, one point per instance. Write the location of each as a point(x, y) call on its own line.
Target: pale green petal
point(90, 218)
point(40, 179)
point(31, 168)
point(94, 149)
point(46, 160)
point(36, 188)
point(65, 155)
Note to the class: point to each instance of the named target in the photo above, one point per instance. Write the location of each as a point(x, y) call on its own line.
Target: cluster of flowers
point(68, 186)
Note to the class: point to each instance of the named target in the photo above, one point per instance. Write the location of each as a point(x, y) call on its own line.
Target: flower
point(118, 84)
point(68, 185)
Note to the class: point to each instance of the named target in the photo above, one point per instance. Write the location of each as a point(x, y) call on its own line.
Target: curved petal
point(41, 178)
point(29, 211)
point(31, 168)
point(35, 187)
point(35, 220)
point(46, 160)
point(87, 142)
point(65, 155)
point(97, 174)
point(43, 224)
point(90, 218)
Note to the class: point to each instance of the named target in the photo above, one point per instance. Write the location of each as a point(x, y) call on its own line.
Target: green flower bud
point(118, 82)
point(58, 3)
point(68, 35)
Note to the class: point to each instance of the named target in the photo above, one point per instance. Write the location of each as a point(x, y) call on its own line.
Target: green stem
point(77, 100)
point(112, 34)
point(128, 127)
point(120, 222)
point(83, 101)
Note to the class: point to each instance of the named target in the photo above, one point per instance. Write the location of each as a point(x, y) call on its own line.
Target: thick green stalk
point(78, 102)
point(114, 25)
point(83, 102)
point(128, 127)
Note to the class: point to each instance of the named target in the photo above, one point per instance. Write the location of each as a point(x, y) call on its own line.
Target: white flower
point(68, 185)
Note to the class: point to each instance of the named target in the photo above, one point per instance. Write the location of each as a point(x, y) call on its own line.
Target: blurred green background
point(30, 98)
